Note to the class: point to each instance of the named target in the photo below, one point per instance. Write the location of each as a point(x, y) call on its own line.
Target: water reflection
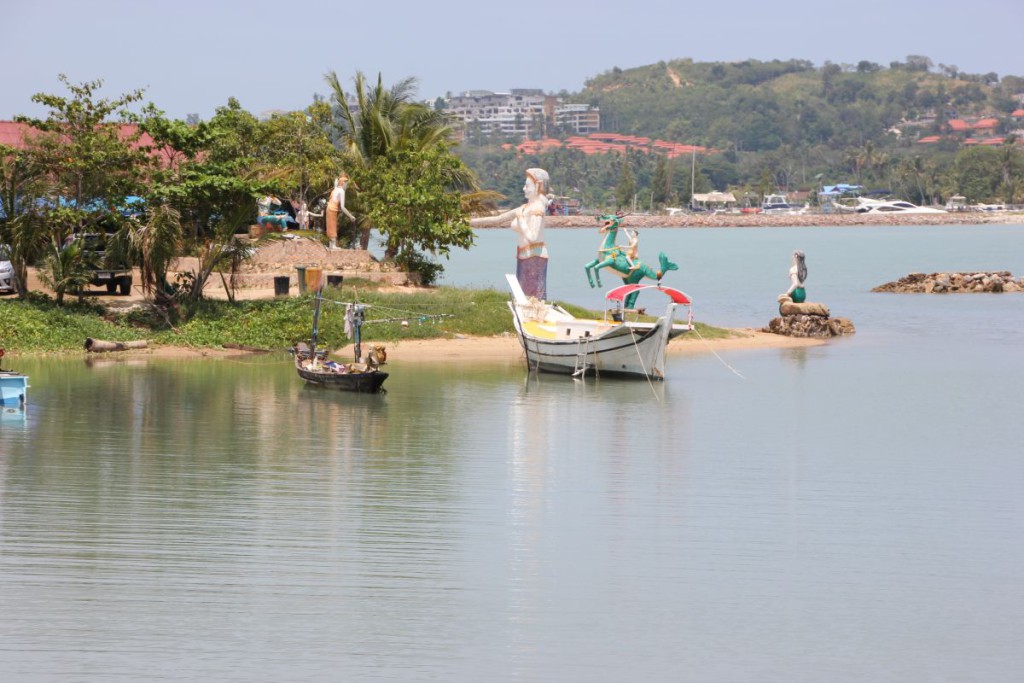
point(207, 520)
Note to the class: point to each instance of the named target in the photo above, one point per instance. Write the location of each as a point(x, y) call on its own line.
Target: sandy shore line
point(501, 348)
point(508, 348)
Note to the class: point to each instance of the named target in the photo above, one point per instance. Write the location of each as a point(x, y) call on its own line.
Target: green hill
point(784, 126)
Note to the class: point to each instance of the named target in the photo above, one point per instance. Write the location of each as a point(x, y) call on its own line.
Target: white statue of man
point(528, 223)
point(335, 204)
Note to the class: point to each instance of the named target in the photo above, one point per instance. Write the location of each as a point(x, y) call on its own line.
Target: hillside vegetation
point(784, 126)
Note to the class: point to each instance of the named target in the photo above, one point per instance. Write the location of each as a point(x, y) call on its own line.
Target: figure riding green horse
point(623, 259)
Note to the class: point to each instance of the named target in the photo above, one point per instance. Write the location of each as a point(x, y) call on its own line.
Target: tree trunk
point(101, 346)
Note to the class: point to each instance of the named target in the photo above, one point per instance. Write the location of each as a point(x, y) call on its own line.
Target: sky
point(191, 56)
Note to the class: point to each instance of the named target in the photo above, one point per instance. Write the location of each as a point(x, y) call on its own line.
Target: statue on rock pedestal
point(801, 318)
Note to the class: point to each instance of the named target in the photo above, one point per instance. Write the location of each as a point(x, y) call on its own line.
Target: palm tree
point(385, 120)
point(157, 242)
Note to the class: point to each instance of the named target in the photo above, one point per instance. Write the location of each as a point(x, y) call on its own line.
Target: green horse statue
point(623, 259)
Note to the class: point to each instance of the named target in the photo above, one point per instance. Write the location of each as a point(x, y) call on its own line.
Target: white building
point(521, 113)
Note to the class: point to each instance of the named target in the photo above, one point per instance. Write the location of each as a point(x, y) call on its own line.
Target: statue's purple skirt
point(532, 274)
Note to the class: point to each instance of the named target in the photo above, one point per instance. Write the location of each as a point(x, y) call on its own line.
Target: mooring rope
point(712, 350)
point(632, 335)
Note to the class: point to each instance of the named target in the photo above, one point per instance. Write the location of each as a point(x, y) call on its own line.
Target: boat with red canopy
point(554, 340)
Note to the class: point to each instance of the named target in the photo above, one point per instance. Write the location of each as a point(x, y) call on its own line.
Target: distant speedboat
point(779, 203)
point(877, 206)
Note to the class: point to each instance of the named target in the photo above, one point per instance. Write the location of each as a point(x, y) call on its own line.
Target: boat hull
point(634, 350)
point(371, 382)
point(13, 388)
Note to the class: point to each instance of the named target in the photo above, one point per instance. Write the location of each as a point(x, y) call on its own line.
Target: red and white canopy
point(620, 293)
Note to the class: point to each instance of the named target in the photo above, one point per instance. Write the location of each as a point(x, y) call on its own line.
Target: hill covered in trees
point(787, 125)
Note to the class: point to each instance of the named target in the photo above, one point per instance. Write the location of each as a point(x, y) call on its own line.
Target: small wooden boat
point(556, 341)
point(363, 375)
point(13, 386)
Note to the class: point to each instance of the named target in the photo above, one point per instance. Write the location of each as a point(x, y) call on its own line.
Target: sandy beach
point(479, 349)
point(508, 348)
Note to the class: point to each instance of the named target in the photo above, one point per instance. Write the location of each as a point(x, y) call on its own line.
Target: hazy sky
point(190, 56)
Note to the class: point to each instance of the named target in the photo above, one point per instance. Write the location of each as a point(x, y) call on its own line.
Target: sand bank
point(507, 348)
point(463, 348)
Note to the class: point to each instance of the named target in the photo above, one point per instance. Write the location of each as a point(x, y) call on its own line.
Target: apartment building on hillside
point(521, 113)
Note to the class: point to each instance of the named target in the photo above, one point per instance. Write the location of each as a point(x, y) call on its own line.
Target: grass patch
point(39, 325)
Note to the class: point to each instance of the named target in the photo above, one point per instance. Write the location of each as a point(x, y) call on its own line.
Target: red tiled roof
point(1018, 113)
point(993, 141)
point(985, 123)
point(929, 139)
point(13, 134)
point(958, 124)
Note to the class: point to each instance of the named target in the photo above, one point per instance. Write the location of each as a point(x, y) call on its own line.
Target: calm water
point(851, 512)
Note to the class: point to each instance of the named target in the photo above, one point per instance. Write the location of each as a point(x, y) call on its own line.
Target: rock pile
point(807, 320)
point(954, 283)
point(810, 326)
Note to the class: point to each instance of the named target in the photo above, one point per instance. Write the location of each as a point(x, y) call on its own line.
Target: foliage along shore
point(37, 325)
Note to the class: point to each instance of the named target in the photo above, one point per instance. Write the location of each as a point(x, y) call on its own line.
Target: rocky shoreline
point(954, 283)
point(760, 220)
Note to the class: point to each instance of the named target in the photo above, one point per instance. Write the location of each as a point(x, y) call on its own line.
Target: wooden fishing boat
point(554, 340)
point(363, 375)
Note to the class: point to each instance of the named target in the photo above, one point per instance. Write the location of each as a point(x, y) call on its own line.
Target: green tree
point(83, 164)
point(157, 242)
point(85, 153)
point(23, 188)
point(297, 154)
point(660, 183)
point(389, 127)
point(413, 199)
point(625, 189)
point(213, 168)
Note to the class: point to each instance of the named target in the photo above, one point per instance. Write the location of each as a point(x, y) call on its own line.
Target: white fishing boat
point(554, 340)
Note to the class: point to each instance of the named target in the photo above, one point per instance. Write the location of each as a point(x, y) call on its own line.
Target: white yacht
point(877, 206)
point(779, 203)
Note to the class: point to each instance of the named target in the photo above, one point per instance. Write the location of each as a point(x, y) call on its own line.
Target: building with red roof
point(14, 133)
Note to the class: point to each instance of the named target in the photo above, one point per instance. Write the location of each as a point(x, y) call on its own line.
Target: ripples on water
point(845, 513)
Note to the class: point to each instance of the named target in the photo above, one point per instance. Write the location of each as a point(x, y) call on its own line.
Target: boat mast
point(358, 313)
point(316, 321)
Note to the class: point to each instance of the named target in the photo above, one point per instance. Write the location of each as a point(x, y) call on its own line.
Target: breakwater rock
point(954, 283)
point(767, 220)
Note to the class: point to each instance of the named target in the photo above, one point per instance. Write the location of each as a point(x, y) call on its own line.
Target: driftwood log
point(101, 346)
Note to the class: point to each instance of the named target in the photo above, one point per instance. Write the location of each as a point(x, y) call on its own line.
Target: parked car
point(6, 271)
point(106, 269)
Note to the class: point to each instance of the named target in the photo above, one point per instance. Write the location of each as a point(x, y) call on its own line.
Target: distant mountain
point(759, 106)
